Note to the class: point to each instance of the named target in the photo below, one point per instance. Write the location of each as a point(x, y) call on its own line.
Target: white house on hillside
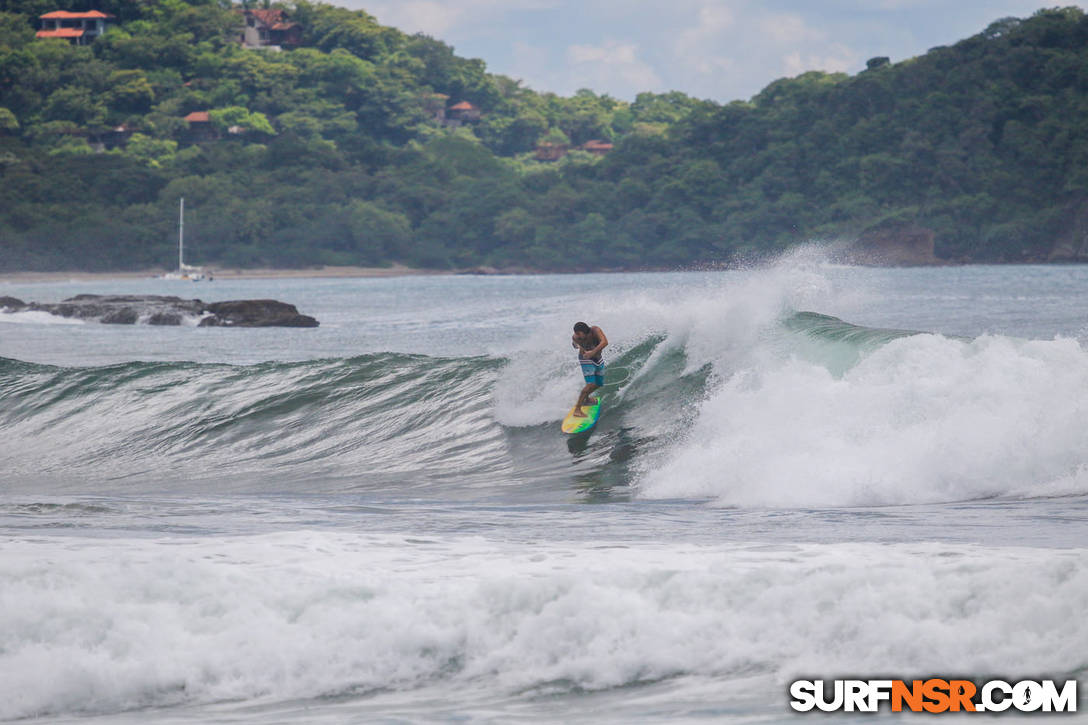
point(76, 28)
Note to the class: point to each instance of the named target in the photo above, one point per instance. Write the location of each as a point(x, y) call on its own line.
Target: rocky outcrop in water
point(168, 310)
point(255, 313)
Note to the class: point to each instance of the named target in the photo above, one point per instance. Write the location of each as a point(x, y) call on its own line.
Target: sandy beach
point(226, 273)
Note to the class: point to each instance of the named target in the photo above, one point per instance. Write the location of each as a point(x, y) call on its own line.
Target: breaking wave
point(735, 397)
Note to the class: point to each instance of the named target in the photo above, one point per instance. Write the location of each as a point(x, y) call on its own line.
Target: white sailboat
point(186, 272)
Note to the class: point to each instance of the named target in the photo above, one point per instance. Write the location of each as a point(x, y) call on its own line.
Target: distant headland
point(311, 136)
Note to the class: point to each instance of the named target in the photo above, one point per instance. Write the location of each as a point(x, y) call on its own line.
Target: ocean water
point(802, 470)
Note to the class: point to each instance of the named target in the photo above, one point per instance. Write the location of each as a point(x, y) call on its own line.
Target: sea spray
point(921, 419)
point(660, 335)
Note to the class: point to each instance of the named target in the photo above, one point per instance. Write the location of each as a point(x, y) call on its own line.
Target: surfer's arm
point(601, 345)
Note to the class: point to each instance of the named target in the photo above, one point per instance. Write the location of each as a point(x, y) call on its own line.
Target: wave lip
point(832, 329)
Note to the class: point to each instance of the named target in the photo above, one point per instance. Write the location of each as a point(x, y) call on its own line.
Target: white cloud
point(698, 47)
point(840, 60)
point(715, 18)
point(803, 47)
point(730, 51)
point(720, 49)
point(787, 29)
point(419, 16)
point(611, 65)
point(439, 17)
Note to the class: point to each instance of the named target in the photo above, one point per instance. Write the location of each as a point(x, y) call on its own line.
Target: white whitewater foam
point(186, 320)
point(99, 626)
point(922, 419)
point(37, 317)
point(720, 320)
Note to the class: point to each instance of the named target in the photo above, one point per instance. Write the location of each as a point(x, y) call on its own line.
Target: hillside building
point(76, 28)
point(463, 112)
point(597, 147)
point(269, 30)
point(201, 127)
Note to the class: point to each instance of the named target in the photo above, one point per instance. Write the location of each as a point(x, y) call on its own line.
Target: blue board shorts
point(593, 372)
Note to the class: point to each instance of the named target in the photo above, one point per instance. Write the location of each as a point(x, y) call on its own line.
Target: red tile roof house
point(76, 28)
point(201, 127)
point(460, 113)
point(600, 148)
point(269, 29)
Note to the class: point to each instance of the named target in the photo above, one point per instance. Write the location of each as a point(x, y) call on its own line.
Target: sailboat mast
point(181, 234)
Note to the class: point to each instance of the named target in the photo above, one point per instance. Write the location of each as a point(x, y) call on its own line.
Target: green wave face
point(832, 329)
point(833, 343)
point(179, 423)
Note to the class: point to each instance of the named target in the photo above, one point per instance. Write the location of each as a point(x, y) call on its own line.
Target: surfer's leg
point(589, 388)
point(594, 381)
point(589, 373)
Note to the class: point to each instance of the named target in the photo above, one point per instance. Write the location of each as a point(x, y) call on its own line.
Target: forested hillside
point(359, 144)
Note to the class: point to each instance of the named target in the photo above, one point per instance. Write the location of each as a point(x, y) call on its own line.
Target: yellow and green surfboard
point(573, 424)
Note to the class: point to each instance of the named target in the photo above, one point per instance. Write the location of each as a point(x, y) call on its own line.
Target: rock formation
point(164, 310)
point(255, 313)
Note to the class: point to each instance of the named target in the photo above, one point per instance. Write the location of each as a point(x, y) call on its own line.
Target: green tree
point(8, 122)
point(237, 116)
point(76, 105)
point(154, 152)
point(15, 32)
point(379, 235)
point(130, 91)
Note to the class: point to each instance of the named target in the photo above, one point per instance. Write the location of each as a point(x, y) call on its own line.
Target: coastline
point(226, 273)
point(347, 272)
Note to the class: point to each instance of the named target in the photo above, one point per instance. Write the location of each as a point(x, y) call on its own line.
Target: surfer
point(589, 341)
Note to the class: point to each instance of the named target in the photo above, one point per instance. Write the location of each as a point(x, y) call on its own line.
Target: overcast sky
point(718, 49)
